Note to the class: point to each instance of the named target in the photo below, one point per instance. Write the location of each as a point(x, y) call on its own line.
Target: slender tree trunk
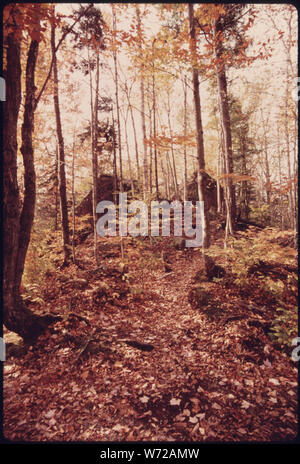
point(136, 146)
point(226, 128)
point(150, 152)
point(172, 149)
point(165, 179)
point(145, 165)
point(288, 149)
point(62, 173)
point(220, 165)
point(115, 172)
point(142, 87)
point(17, 226)
point(200, 143)
point(95, 159)
point(185, 135)
point(168, 179)
point(280, 175)
point(154, 121)
point(171, 173)
point(73, 201)
point(56, 185)
point(219, 203)
point(154, 136)
point(128, 153)
point(117, 102)
point(135, 136)
point(266, 161)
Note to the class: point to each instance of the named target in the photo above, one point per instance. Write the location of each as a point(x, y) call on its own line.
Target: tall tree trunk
point(185, 135)
point(168, 178)
point(199, 130)
point(134, 135)
point(62, 173)
point(115, 172)
point(56, 184)
point(287, 141)
point(225, 125)
point(17, 226)
point(172, 149)
point(73, 200)
point(154, 136)
point(95, 158)
point(266, 160)
point(154, 122)
point(150, 151)
point(171, 173)
point(11, 196)
point(117, 102)
point(219, 203)
point(142, 87)
point(280, 175)
point(136, 146)
point(226, 131)
point(165, 179)
point(128, 153)
point(27, 214)
point(220, 164)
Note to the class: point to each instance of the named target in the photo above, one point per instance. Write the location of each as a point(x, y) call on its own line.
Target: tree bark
point(11, 197)
point(117, 103)
point(225, 124)
point(185, 134)
point(128, 152)
point(73, 201)
point(56, 185)
point(154, 136)
point(115, 173)
point(199, 130)
point(266, 160)
point(172, 149)
point(62, 173)
point(134, 134)
point(17, 225)
point(136, 147)
point(95, 159)
point(142, 87)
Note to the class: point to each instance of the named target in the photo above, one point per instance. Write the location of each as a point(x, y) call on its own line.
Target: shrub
point(284, 326)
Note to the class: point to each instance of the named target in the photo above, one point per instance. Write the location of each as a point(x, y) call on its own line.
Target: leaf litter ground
point(210, 377)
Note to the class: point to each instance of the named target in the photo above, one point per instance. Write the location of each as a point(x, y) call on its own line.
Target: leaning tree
point(21, 20)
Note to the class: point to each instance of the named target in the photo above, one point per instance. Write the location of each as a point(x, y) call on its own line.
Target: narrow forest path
point(207, 379)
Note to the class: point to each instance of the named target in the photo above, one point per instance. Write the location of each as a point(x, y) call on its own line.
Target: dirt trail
point(199, 383)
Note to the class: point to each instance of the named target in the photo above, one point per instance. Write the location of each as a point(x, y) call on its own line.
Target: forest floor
point(212, 376)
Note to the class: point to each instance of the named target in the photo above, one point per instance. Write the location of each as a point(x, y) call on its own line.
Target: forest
point(150, 222)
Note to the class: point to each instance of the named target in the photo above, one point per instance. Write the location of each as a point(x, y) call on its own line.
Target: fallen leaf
point(50, 414)
point(175, 401)
point(193, 420)
point(242, 431)
point(85, 375)
point(245, 404)
point(249, 382)
point(274, 381)
point(216, 406)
